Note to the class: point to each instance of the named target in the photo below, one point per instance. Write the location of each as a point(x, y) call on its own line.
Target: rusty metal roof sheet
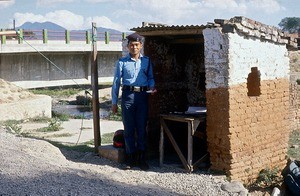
point(152, 29)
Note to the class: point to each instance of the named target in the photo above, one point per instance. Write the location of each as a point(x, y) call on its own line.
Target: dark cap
point(134, 37)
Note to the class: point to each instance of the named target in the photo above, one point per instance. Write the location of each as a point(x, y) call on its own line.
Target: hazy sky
point(126, 14)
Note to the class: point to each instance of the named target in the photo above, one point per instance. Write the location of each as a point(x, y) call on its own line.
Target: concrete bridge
point(33, 61)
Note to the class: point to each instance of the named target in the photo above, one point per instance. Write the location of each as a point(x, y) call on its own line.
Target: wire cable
point(52, 63)
point(81, 128)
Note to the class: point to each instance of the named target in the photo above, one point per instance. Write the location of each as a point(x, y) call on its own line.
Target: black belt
point(135, 88)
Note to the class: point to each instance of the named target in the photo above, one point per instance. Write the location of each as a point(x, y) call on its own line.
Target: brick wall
point(258, 128)
point(246, 132)
point(294, 89)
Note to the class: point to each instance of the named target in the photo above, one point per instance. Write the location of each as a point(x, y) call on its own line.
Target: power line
point(52, 63)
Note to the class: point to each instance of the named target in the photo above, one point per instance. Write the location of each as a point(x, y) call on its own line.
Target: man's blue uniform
point(136, 77)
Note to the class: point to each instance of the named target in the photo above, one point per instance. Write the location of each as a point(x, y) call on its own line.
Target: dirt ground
point(31, 166)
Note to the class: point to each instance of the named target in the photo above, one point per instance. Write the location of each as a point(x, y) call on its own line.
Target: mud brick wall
point(247, 93)
point(295, 89)
point(250, 96)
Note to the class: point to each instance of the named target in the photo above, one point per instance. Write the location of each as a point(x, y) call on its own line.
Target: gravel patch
point(35, 167)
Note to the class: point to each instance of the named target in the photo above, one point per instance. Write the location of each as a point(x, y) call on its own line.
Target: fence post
point(67, 36)
point(87, 37)
point(123, 36)
point(21, 36)
point(106, 37)
point(3, 39)
point(45, 36)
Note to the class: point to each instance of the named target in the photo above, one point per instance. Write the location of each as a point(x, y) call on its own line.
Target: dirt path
point(35, 167)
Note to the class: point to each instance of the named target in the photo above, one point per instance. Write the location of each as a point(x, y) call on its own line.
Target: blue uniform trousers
point(135, 115)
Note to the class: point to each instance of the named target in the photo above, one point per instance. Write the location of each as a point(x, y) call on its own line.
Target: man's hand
point(114, 108)
point(154, 91)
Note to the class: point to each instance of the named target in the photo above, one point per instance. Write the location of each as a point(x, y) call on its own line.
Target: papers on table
point(195, 110)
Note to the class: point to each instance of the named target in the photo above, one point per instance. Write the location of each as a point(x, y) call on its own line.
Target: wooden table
point(193, 123)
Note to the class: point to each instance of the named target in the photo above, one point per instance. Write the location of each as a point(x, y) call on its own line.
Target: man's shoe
point(142, 161)
point(128, 167)
point(130, 162)
point(143, 165)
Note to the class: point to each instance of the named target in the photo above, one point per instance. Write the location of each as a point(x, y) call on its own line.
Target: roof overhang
point(169, 30)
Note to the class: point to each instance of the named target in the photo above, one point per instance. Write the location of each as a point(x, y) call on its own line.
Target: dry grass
point(294, 145)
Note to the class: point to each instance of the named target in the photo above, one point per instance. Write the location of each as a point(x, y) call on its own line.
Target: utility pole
point(95, 97)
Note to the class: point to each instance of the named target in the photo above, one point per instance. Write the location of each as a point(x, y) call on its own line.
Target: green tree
point(290, 24)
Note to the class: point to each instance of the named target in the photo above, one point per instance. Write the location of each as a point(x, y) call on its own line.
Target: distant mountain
point(55, 27)
point(40, 26)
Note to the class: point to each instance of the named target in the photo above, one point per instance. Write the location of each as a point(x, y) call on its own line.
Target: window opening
point(253, 82)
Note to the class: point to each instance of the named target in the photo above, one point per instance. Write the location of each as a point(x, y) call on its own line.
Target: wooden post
point(3, 39)
point(87, 37)
point(21, 36)
point(45, 36)
point(106, 37)
point(67, 34)
point(95, 98)
point(123, 36)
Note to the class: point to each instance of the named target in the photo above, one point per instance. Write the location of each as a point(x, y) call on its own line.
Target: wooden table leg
point(187, 161)
point(203, 158)
point(161, 146)
point(190, 146)
point(177, 149)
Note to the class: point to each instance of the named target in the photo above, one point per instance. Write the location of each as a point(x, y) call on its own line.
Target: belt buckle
point(136, 89)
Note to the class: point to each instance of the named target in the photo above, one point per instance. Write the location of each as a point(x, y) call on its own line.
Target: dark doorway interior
point(180, 79)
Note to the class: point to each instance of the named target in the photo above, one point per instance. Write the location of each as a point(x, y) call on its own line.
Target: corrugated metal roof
point(152, 29)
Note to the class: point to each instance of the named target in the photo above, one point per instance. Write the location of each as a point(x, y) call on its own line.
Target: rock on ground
point(12, 93)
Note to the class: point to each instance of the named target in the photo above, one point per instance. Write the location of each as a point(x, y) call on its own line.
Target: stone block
point(228, 28)
point(36, 106)
point(112, 153)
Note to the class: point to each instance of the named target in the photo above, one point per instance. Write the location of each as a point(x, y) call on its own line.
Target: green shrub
point(57, 92)
point(13, 125)
point(39, 119)
point(61, 116)
point(107, 138)
point(268, 178)
point(294, 140)
point(83, 100)
point(54, 125)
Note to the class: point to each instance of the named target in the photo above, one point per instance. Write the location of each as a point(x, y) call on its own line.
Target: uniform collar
point(129, 57)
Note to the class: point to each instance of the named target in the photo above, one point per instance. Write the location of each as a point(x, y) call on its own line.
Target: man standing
point(135, 73)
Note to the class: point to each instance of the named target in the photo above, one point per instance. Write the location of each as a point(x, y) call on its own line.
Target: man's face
point(134, 47)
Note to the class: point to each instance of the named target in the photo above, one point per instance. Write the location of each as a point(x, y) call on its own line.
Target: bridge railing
point(67, 36)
